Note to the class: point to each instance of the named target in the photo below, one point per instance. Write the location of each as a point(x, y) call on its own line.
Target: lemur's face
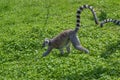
point(45, 43)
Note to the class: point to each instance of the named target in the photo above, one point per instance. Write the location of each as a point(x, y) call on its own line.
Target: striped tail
point(78, 15)
point(109, 20)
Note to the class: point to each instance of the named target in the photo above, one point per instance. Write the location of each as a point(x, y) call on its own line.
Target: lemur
point(63, 39)
point(117, 22)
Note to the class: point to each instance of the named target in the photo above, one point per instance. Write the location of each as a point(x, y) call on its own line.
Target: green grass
point(25, 23)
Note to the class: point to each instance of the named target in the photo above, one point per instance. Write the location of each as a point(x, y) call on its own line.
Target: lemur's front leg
point(47, 52)
point(61, 51)
point(68, 48)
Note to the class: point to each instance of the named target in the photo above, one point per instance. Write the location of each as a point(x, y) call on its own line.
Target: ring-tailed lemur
point(63, 39)
point(117, 22)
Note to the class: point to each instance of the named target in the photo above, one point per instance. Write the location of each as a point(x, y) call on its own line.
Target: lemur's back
point(61, 40)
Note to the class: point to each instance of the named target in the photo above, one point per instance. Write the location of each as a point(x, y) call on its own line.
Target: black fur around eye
point(46, 41)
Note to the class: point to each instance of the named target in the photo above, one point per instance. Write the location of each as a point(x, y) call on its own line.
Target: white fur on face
point(46, 42)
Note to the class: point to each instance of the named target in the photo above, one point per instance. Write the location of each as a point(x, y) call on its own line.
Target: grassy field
point(25, 23)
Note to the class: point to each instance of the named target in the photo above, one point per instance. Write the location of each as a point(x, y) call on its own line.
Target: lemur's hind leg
point(47, 52)
point(76, 43)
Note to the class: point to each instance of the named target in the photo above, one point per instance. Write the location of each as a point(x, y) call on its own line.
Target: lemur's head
point(45, 42)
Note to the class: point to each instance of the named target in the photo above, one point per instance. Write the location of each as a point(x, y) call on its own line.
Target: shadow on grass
point(110, 49)
point(67, 54)
point(60, 55)
point(93, 74)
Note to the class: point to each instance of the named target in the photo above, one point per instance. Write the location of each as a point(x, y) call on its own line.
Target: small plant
point(103, 15)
